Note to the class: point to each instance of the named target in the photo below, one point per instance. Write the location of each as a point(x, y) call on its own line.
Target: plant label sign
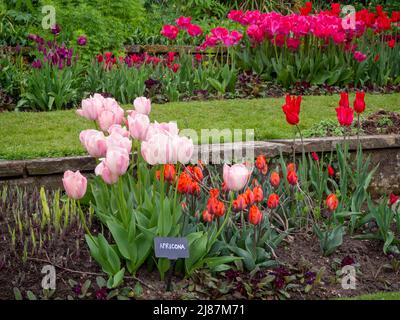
point(171, 248)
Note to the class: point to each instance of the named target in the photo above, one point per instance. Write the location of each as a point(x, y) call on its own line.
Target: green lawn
point(377, 296)
point(52, 134)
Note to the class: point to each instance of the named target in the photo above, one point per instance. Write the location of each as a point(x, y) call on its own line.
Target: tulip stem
point(358, 128)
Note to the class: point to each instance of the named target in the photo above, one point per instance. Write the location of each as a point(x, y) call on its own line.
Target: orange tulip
point(332, 202)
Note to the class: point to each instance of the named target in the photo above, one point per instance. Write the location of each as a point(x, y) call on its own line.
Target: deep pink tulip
point(194, 30)
point(183, 22)
point(75, 184)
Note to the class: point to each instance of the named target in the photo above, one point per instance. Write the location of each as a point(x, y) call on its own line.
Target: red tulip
point(291, 167)
point(332, 202)
point(344, 100)
point(359, 103)
point(239, 204)
point(215, 207)
point(314, 155)
point(292, 109)
point(273, 201)
point(261, 164)
point(292, 178)
point(258, 194)
point(393, 199)
point(207, 217)
point(255, 215)
point(275, 179)
point(214, 193)
point(331, 172)
point(345, 116)
point(392, 43)
point(249, 196)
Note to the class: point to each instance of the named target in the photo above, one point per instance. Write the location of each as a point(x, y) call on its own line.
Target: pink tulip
point(113, 106)
point(106, 119)
point(184, 149)
point(142, 105)
point(117, 128)
point(163, 127)
point(164, 148)
point(91, 107)
point(116, 140)
point(75, 184)
point(236, 176)
point(138, 126)
point(94, 142)
point(158, 149)
point(117, 160)
point(105, 173)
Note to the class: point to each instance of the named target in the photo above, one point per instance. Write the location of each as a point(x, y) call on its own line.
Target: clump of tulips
point(147, 186)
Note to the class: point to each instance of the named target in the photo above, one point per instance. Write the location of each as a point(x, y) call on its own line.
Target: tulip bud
point(255, 215)
point(75, 184)
point(275, 179)
point(273, 201)
point(332, 202)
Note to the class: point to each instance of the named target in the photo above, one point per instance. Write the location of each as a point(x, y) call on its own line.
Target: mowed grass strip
point(27, 135)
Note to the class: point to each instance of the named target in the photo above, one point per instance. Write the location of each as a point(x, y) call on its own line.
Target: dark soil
point(382, 122)
point(73, 261)
point(373, 272)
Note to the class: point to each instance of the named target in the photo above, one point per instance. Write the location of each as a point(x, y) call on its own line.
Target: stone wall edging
point(272, 148)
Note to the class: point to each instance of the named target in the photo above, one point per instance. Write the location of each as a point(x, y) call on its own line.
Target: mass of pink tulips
point(160, 143)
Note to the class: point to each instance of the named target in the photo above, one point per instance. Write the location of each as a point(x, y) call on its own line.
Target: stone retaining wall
point(384, 150)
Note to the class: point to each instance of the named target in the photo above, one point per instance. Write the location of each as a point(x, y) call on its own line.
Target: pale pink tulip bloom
point(118, 129)
point(236, 176)
point(91, 107)
point(116, 140)
point(105, 173)
point(142, 105)
point(75, 184)
point(117, 160)
point(94, 142)
point(138, 125)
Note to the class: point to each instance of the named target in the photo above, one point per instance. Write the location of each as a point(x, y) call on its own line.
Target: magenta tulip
point(75, 184)
point(236, 176)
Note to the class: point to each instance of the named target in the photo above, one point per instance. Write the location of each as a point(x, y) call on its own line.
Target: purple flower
point(82, 40)
point(101, 294)
point(310, 277)
point(347, 261)
point(37, 64)
point(55, 29)
point(77, 289)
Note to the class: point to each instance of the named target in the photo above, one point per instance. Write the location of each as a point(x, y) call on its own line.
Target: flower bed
point(304, 49)
point(236, 221)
